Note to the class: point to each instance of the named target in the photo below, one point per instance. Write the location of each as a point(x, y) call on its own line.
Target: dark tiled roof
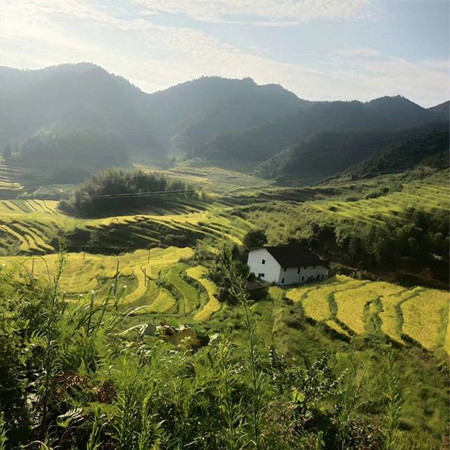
point(294, 256)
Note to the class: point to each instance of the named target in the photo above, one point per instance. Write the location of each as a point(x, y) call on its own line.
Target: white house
point(286, 265)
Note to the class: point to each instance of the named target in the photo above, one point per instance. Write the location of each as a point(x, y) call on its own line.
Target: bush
point(117, 191)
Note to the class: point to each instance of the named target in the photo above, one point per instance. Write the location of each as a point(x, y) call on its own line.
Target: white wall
point(292, 275)
point(271, 268)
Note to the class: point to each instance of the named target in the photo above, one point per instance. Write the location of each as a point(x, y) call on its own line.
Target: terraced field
point(154, 279)
point(163, 282)
point(14, 180)
point(32, 226)
point(198, 274)
point(216, 180)
point(10, 182)
point(426, 196)
point(29, 226)
point(353, 307)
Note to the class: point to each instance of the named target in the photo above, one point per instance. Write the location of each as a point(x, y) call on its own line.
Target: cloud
point(425, 82)
point(437, 65)
point(259, 12)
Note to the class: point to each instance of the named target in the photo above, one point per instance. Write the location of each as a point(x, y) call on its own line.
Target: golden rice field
point(32, 226)
point(163, 303)
point(418, 315)
point(421, 195)
point(390, 315)
point(198, 273)
point(10, 181)
point(83, 272)
point(214, 179)
point(447, 331)
point(159, 282)
point(423, 317)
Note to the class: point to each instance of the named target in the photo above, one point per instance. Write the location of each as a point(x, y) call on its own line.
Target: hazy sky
point(319, 49)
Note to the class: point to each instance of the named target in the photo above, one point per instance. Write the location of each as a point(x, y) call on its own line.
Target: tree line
point(409, 241)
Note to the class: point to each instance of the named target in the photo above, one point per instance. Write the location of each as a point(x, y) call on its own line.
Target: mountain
point(264, 141)
point(61, 114)
point(72, 97)
point(81, 96)
point(193, 113)
point(442, 110)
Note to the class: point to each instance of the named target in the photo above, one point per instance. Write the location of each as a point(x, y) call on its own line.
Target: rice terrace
point(225, 263)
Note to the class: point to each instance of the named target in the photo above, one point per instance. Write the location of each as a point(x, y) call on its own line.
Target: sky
point(318, 49)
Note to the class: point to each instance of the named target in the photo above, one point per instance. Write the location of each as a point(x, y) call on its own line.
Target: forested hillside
point(330, 152)
point(384, 115)
point(431, 149)
point(84, 96)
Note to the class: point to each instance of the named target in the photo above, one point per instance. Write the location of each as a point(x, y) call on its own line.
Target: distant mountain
point(175, 120)
point(194, 113)
point(64, 112)
point(264, 141)
point(72, 97)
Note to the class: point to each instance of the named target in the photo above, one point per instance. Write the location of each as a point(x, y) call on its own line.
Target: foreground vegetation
point(87, 374)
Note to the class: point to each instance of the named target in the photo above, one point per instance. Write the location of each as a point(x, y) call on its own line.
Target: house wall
point(271, 268)
point(292, 275)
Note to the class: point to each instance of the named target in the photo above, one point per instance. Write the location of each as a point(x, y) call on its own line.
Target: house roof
point(294, 256)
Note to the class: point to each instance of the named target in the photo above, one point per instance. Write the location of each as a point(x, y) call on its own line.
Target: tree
point(255, 239)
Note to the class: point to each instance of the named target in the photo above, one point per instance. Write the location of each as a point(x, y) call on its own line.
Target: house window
point(282, 281)
point(318, 276)
point(263, 261)
point(304, 267)
point(285, 269)
point(261, 275)
point(314, 267)
point(298, 270)
point(303, 278)
point(322, 276)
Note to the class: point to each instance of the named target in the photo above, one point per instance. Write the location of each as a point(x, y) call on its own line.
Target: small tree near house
point(255, 239)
